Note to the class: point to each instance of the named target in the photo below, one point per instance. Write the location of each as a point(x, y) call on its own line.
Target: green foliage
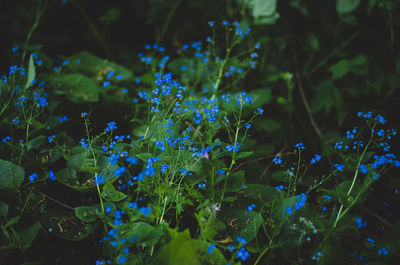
point(184, 250)
point(11, 175)
point(184, 153)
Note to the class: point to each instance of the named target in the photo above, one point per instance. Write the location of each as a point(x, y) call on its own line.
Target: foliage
point(174, 155)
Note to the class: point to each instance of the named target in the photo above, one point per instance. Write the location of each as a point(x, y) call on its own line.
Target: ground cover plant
point(187, 155)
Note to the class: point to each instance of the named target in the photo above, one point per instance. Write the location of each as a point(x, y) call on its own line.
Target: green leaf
point(242, 155)
point(110, 194)
point(147, 235)
point(346, 6)
point(235, 181)
point(31, 73)
point(11, 175)
point(12, 221)
point(140, 130)
point(66, 225)
point(3, 209)
point(340, 69)
point(86, 213)
point(264, 11)
point(371, 4)
point(245, 223)
point(35, 142)
point(144, 156)
point(268, 125)
point(27, 235)
point(263, 193)
point(183, 250)
point(313, 41)
point(263, 7)
point(260, 97)
point(77, 87)
point(341, 192)
point(95, 66)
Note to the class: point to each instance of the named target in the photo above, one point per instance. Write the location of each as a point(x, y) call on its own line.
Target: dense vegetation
point(199, 132)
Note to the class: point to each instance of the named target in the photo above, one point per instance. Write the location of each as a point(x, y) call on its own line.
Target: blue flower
point(51, 175)
point(133, 205)
point(111, 126)
point(99, 179)
point(63, 118)
point(327, 197)
point(211, 248)
point(300, 146)
point(289, 210)
point(33, 177)
point(251, 207)
point(108, 209)
point(132, 160)
point(119, 171)
point(145, 210)
point(363, 169)
point(243, 254)
point(241, 240)
point(315, 159)
point(339, 167)
point(360, 223)
point(122, 259)
point(277, 160)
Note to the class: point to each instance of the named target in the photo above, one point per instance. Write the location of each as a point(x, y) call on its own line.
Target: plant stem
point(352, 185)
point(234, 152)
point(263, 253)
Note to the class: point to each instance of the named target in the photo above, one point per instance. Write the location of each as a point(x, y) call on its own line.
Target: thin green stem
point(234, 152)
point(263, 252)
point(352, 185)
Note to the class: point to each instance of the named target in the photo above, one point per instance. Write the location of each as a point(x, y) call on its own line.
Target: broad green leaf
point(67, 176)
point(359, 64)
point(66, 225)
point(106, 169)
point(110, 194)
point(324, 98)
point(31, 73)
point(260, 97)
point(140, 130)
point(35, 142)
point(144, 156)
point(11, 175)
point(86, 213)
point(244, 223)
point(268, 125)
point(242, 155)
point(346, 6)
point(77, 87)
point(341, 192)
point(95, 66)
point(262, 193)
point(147, 235)
point(263, 7)
point(235, 181)
point(183, 250)
point(340, 69)
point(27, 235)
point(3, 209)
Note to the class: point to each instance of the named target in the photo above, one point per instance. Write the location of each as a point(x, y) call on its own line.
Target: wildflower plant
point(164, 177)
